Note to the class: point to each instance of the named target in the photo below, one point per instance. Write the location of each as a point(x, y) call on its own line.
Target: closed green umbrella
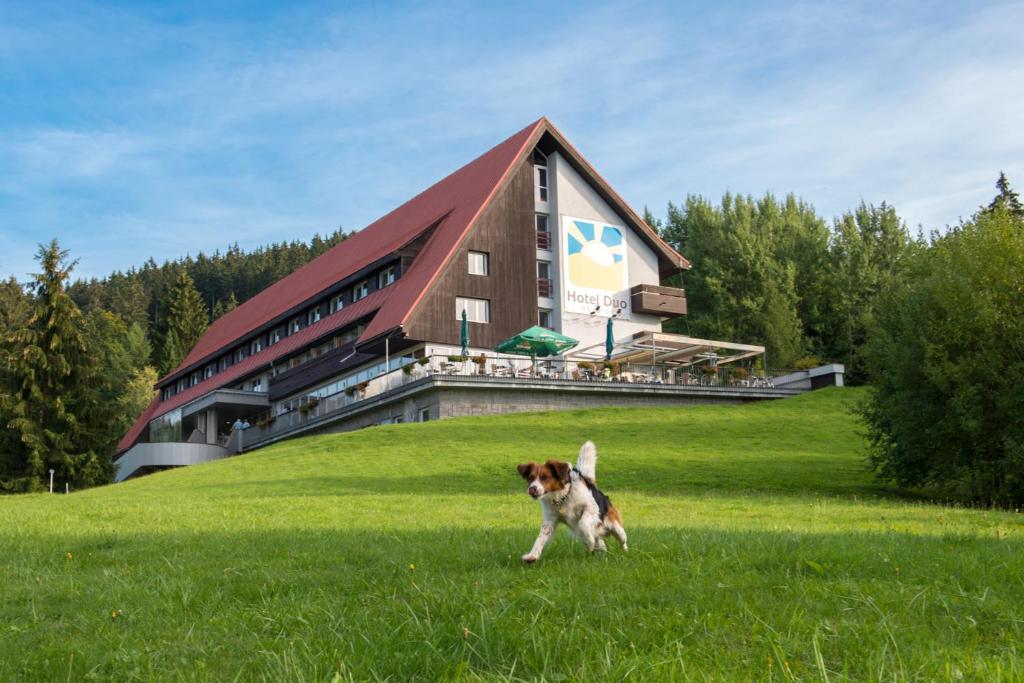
point(609, 341)
point(464, 336)
point(536, 341)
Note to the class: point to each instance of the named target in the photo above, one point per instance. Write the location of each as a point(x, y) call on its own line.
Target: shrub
point(946, 363)
point(456, 359)
point(806, 363)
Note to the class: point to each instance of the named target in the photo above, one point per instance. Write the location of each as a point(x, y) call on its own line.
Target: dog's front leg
point(547, 529)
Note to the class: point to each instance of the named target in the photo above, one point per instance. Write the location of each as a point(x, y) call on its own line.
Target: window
point(386, 277)
point(275, 337)
point(208, 372)
point(313, 316)
point(478, 263)
point(194, 379)
point(541, 177)
point(477, 310)
point(424, 414)
point(181, 385)
point(256, 346)
point(360, 291)
point(295, 327)
point(544, 318)
point(239, 354)
point(257, 384)
point(543, 232)
point(337, 303)
point(223, 364)
point(544, 285)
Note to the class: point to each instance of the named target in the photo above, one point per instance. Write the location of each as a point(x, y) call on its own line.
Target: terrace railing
point(502, 369)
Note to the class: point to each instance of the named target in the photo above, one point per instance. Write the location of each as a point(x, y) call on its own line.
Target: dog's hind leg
point(620, 534)
point(613, 523)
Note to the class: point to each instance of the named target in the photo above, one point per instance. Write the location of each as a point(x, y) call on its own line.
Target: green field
point(760, 549)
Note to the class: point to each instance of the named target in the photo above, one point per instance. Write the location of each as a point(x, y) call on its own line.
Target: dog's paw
point(529, 558)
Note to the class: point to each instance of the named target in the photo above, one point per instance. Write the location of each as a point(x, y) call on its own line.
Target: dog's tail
point(586, 462)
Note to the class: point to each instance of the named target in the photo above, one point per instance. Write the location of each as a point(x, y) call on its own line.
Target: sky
point(159, 129)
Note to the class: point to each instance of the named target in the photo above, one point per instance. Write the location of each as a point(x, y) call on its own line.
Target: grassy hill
point(759, 550)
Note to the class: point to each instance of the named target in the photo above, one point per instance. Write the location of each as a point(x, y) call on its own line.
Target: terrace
point(685, 378)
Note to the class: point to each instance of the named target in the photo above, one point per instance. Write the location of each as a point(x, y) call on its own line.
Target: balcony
point(543, 239)
point(666, 302)
point(544, 287)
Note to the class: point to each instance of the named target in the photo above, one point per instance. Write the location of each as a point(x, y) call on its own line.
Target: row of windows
point(360, 290)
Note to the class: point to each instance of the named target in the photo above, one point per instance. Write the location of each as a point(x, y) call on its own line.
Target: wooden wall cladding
point(505, 231)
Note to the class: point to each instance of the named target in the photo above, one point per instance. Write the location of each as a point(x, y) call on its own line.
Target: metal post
point(51, 481)
point(67, 489)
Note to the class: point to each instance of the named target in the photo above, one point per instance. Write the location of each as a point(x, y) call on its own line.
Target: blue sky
point(130, 130)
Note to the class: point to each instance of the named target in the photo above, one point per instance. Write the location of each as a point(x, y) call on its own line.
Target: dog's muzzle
point(535, 491)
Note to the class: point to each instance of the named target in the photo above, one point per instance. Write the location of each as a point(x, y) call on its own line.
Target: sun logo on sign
point(596, 256)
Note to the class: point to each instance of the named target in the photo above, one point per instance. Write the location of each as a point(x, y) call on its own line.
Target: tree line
point(774, 272)
point(79, 359)
point(932, 322)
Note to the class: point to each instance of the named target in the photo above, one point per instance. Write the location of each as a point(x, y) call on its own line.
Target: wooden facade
point(506, 233)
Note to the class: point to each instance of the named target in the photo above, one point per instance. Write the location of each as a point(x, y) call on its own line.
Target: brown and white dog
point(570, 495)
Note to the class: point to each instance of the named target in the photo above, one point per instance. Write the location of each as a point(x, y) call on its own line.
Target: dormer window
point(275, 337)
point(361, 290)
point(313, 316)
point(337, 303)
point(208, 372)
point(256, 346)
point(295, 326)
point(386, 277)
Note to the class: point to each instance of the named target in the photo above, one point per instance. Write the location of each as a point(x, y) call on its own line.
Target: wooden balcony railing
point(544, 287)
point(543, 239)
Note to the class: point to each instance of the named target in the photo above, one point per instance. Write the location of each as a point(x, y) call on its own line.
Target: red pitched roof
point(463, 194)
point(323, 327)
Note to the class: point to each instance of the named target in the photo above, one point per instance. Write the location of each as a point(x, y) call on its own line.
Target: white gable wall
point(573, 196)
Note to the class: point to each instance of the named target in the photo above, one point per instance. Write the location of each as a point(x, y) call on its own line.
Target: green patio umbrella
point(464, 335)
point(609, 341)
point(536, 341)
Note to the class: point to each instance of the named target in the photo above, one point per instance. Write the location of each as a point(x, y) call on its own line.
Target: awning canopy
point(672, 349)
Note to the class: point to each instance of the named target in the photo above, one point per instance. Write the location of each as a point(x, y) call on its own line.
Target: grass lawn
point(760, 549)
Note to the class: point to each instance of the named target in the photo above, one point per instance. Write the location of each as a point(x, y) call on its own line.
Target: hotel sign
point(595, 266)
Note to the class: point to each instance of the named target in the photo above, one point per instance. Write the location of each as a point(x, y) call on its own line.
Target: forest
point(902, 312)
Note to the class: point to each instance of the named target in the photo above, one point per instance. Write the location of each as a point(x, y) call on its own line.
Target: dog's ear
point(560, 469)
point(526, 470)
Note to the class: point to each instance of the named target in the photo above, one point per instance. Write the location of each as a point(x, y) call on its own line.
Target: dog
point(570, 495)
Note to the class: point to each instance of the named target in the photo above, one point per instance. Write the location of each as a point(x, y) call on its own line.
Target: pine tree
point(187, 319)
point(51, 395)
point(1006, 199)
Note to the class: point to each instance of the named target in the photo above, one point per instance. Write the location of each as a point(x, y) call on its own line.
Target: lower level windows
point(477, 310)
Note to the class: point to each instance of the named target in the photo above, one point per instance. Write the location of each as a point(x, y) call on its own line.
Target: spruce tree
point(225, 306)
point(51, 395)
point(1006, 199)
point(187, 319)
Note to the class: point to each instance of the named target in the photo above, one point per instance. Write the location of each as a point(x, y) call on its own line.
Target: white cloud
point(302, 130)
